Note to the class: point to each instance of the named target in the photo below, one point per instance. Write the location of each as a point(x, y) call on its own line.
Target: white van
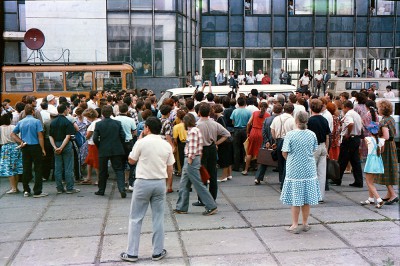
point(338, 85)
point(271, 89)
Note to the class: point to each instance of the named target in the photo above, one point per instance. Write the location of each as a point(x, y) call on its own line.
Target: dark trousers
point(48, 160)
point(77, 161)
point(181, 153)
point(209, 161)
point(239, 137)
point(281, 162)
point(32, 154)
point(117, 163)
point(128, 148)
point(349, 153)
point(262, 168)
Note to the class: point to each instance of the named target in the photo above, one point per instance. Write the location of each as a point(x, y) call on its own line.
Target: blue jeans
point(191, 175)
point(64, 164)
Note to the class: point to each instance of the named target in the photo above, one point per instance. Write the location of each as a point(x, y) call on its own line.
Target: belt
point(239, 128)
point(128, 140)
point(355, 136)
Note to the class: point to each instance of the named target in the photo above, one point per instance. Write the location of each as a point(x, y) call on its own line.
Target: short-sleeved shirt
point(60, 127)
point(240, 117)
point(29, 127)
point(211, 130)
point(128, 125)
point(91, 129)
point(166, 128)
point(351, 117)
point(282, 124)
point(148, 157)
point(180, 132)
point(319, 125)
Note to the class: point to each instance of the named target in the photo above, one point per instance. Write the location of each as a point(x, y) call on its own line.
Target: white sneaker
point(27, 194)
point(130, 188)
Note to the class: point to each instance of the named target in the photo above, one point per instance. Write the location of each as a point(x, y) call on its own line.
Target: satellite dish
point(34, 39)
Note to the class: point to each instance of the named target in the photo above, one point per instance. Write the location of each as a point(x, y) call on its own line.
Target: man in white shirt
point(280, 126)
point(259, 76)
point(52, 108)
point(149, 189)
point(94, 97)
point(318, 81)
point(250, 78)
point(351, 139)
point(377, 73)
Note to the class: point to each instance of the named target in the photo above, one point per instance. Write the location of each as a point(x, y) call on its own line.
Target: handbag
point(265, 157)
point(205, 176)
point(332, 170)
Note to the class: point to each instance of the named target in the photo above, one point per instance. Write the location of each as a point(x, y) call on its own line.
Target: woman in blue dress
point(301, 186)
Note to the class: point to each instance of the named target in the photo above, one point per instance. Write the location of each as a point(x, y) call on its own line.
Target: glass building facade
point(164, 39)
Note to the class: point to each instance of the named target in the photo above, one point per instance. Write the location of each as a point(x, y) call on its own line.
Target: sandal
point(367, 202)
point(380, 204)
point(86, 182)
point(244, 172)
point(12, 191)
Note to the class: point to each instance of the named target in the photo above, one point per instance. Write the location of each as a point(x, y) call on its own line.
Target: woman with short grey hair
point(301, 186)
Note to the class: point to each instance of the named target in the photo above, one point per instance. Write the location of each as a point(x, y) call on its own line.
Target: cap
point(50, 97)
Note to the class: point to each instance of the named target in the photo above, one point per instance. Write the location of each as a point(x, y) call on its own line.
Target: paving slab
point(333, 199)
point(382, 255)
point(321, 257)
point(82, 198)
point(259, 218)
point(221, 242)
point(345, 214)
point(113, 245)
point(6, 251)
point(319, 237)
point(196, 221)
point(257, 203)
point(18, 200)
point(70, 228)
point(14, 231)
point(21, 214)
point(245, 260)
point(119, 224)
point(249, 191)
point(222, 203)
point(74, 212)
point(80, 250)
point(365, 234)
point(148, 261)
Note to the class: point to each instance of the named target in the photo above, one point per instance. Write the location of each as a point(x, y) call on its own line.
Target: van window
point(49, 81)
point(395, 85)
point(353, 85)
point(369, 85)
point(19, 81)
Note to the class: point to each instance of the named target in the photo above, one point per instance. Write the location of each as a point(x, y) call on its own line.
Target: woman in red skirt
point(92, 159)
point(254, 133)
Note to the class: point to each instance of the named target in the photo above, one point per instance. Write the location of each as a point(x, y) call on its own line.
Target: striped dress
point(389, 156)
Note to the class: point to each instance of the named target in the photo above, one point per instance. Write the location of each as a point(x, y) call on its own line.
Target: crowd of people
point(203, 131)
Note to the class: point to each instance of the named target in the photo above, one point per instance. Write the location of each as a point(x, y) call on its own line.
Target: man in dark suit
point(109, 137)
point(325, 79)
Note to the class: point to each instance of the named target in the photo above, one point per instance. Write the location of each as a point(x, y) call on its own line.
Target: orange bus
point(63, 79)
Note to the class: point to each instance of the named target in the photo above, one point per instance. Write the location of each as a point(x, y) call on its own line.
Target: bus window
point(369, 85)
point(107, 80)
point(353, 85)
point(395, 85)
point(79, 81)
point(19, 81)
point(49, 81)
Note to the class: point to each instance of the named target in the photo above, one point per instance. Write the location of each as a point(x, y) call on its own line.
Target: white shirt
point(298, 108)
point(91, 129)
point(92, 104)
point(328, 117)
point(389, 94)
point(52, 109)
point(45, 115)
point(304, 80)
point(351, 117)
point(252, 108)
point(259, 77)
point(371, 143)
point(148, 157)
point(197, 80)
point(250, 79)
point(240, 79)
point(288, 125)
point(318, 77)
point(377, 73)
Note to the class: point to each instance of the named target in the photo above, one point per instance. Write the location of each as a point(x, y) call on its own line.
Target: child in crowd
point(374, 164)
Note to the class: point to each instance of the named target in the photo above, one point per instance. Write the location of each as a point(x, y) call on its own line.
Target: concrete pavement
point(85, 229)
